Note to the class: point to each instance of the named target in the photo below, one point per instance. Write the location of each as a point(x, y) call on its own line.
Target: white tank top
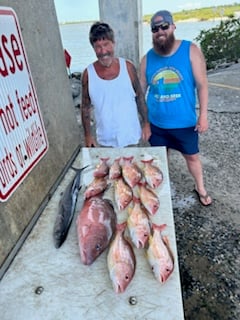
point(115, 108)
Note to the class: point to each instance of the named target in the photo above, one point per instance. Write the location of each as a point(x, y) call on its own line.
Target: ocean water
point(75, 39)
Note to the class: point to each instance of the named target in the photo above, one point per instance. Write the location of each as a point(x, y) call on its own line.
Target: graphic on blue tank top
point(171, 97)
point(165, 83)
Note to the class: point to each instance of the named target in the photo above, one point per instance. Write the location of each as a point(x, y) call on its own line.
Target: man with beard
point(172, 72)
point(112, 87)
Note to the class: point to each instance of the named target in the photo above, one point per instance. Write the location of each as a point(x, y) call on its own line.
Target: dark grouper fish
point(66, 209)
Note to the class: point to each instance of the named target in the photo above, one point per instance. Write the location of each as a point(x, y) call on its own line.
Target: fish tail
point(160, 227)
point(136, 199)
point(147, 160)
point(121, 226)
point(105, 159)
point(128, 158)
point(77, 169)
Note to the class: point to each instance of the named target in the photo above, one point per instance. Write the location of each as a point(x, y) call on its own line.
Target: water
point(75, 39)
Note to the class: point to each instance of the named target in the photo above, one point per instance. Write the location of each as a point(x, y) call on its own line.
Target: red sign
point(68, 58)
point(23, 140)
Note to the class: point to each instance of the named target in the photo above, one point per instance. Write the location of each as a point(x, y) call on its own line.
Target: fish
point(138, 224)
point(66, 209)
point(96, 225)
point(122, 194)
point(152, 174)
point(121, 260)
point(159, 255)
point(115, 170)
point(97, 186)
point(149, 199)
point(131, 172)
point(102, 169)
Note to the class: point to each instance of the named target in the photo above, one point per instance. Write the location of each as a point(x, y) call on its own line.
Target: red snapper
point(121, 260)
point(96, 225)
point(115, 170)
point(152, 174)
point(97, 186)
point(149, 199)
point(138, 224)
point(122, 194)
point(131, 172)
point(159, 254)
point(102, 168)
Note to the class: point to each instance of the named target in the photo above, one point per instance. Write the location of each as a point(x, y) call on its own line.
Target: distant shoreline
point(199, 20)
point(211, 13)
point(145, 22)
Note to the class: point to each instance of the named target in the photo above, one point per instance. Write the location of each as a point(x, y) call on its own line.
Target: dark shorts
point(184, 140)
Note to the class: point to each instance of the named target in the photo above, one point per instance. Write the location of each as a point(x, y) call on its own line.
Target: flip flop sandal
point(202, 197)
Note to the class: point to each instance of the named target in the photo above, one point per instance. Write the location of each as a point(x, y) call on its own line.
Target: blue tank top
point(171, 96)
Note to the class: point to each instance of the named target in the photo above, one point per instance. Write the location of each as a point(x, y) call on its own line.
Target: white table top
point(48, 283)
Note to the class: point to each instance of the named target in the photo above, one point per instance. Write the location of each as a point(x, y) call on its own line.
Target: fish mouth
point(119, 288)
point(85, 258)
point(155, 209)
point(57, 243)
point(141, 244)
point(165, 277)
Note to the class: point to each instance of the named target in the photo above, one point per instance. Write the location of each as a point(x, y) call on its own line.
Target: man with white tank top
point(112, 87)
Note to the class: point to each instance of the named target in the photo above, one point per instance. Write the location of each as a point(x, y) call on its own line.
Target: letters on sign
point(23, 140)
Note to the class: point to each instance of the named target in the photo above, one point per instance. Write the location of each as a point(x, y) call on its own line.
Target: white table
point(48, 283)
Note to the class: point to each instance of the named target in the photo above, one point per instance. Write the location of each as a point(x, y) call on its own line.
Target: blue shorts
point(184, 140)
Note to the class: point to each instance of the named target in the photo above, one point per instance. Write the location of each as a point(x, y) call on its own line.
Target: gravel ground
point(208, 237)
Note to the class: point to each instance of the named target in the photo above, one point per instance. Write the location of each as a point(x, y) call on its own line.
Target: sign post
point(23, 140)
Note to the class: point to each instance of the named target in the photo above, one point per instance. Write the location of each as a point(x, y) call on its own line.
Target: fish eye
point(98, 247)
point(126, 277)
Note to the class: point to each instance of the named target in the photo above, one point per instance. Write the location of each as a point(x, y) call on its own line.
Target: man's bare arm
point(140, 98)
point(86, 112)
point(86, 105)
point(140, 101)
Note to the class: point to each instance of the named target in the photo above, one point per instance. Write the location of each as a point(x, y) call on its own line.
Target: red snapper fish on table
point(119, 202)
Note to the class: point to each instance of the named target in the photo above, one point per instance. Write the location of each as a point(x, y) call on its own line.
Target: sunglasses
point(162, 26)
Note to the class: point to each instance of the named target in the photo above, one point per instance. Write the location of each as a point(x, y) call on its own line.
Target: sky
point(85, 10)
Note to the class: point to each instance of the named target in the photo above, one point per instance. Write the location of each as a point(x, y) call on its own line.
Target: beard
point(164, 46)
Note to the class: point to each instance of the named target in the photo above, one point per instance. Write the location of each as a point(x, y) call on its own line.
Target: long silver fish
point(66, 209)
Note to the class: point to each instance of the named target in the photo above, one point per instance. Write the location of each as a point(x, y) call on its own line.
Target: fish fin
point(165, 240)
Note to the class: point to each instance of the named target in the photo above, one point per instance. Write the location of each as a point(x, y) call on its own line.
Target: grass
point(203, 13)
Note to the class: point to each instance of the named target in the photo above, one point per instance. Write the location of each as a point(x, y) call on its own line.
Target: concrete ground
point(208, 237)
